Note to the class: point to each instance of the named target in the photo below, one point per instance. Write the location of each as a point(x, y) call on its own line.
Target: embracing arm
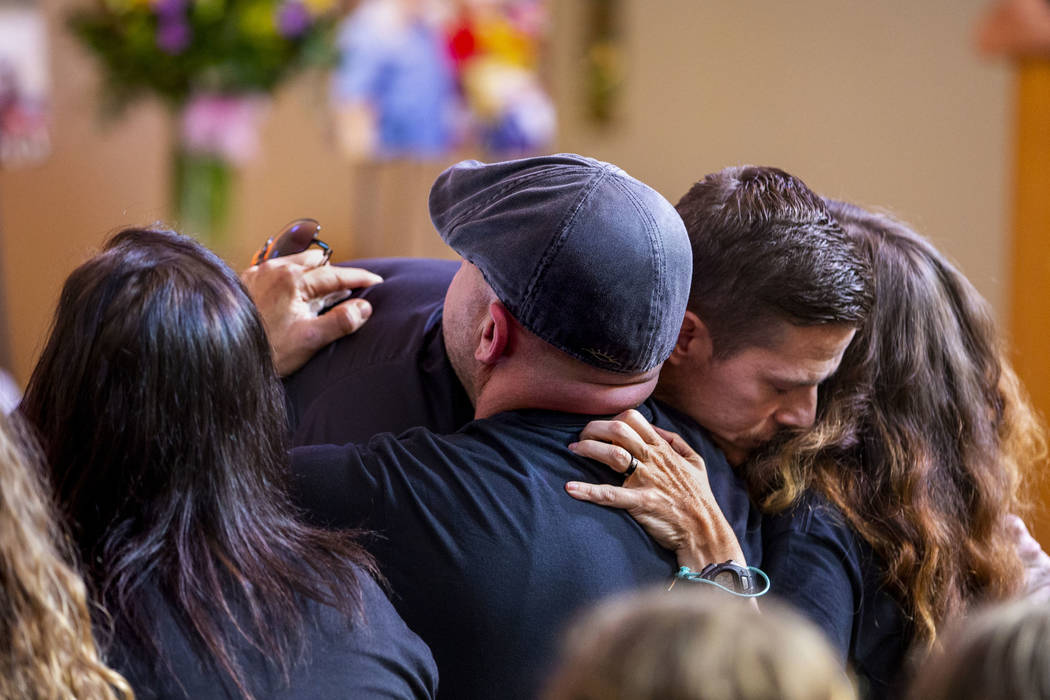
point(809, 553)
point(814, 574)
point(334, 486)
point(668, 492)
point(287, 290)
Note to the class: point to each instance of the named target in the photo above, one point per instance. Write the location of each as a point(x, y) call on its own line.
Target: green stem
point(201, 196)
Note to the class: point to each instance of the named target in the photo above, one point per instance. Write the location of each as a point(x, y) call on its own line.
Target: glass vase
point(217, 133)
point(201, 197)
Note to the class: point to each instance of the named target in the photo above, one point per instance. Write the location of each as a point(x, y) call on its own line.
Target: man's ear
point(694, 342)
point(495, 335)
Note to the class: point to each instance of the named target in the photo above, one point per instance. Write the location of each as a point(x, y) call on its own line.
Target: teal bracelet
point(687, 574)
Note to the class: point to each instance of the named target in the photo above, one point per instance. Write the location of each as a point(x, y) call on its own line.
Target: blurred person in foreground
point(1001, 652)
point(696, 644)
point(163, 426)
point(49, 651)
point(892, 514)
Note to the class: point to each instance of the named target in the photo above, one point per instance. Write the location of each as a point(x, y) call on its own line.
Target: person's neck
point(510, 391)
point(667, 392)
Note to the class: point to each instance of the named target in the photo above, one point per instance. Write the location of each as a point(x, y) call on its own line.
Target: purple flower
point(226, 126)
point(173, 34)
point(292, 19)
point(168, 8)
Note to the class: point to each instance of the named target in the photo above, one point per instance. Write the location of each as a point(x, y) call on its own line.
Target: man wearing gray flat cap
point(570, 295)
point(582, 256)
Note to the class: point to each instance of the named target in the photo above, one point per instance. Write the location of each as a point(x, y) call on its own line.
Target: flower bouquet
point(214, 63)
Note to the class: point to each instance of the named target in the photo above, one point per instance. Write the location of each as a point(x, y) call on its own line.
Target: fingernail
point(365, 308)
point(572, 446)
point(572, 487)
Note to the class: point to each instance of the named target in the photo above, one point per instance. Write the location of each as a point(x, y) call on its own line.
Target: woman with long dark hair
point(891, 514)
point(163, 425)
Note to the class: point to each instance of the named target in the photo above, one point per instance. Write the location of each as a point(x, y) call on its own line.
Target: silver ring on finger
point(631, 469)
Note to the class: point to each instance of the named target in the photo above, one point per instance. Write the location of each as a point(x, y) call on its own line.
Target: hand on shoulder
point(666, 488)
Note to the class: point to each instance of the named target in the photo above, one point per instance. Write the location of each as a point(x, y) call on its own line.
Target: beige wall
point(883, 103)
point(880, 102)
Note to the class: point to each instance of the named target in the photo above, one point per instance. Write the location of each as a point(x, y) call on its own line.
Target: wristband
point(730, 577)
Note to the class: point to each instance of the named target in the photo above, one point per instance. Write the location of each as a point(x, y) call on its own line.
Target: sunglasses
point(293, 238)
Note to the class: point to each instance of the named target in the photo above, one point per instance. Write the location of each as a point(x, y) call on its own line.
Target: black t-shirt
point(390, 375)
point(374, 655)
point(819, 564)
point(488, 557)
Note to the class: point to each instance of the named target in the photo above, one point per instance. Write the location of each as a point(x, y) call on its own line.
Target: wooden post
point(5, 327)
point(1030, 288)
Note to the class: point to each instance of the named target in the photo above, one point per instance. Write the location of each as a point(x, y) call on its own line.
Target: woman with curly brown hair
point(924, 434)
point(890, 515)
point(915, 461)
point(48, 651)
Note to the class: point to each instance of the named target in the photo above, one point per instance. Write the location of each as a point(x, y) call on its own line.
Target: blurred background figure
point(1000, 653)
point(24, 85)
point(418, 78)
point(1015, 28)
point(48, 651)
point(421, 82)
point(495, 46)
point(696, 644)
point(10, 394)
point(393, 92)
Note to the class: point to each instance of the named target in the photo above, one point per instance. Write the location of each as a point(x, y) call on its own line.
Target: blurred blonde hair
point(695, 644)
point(49, 651)
point(1001, 652)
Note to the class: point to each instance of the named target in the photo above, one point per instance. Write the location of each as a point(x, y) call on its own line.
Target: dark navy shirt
point(487, 555)
point(393, 373)
point(373, 656)
point(819, 564)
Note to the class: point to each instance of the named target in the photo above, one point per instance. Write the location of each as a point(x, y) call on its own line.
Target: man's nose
point(800, 408)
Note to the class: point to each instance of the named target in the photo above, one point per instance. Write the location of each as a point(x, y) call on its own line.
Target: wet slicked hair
point(765, 249)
